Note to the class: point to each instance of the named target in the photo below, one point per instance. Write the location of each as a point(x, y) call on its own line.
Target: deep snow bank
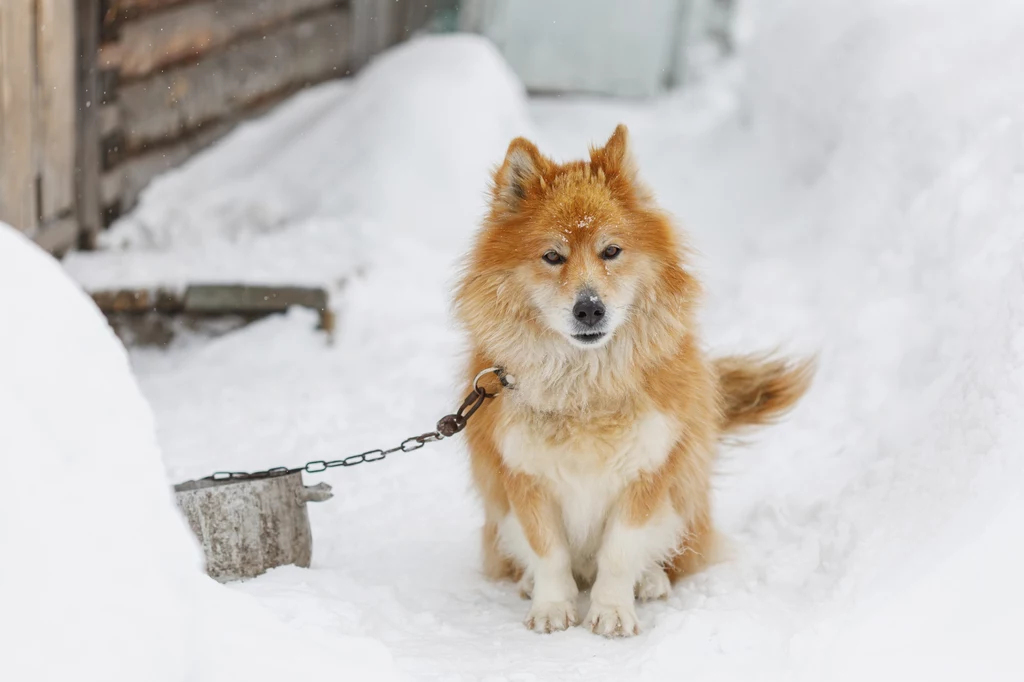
point(94, 563)
point(99, 578)
point(895, 132)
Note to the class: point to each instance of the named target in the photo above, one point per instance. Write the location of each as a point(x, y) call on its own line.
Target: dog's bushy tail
point(757, 389)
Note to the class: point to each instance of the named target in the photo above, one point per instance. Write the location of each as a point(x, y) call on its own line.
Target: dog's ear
point(615, 158)
point(518, 174)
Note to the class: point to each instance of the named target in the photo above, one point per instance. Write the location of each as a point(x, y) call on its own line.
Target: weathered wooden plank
point(138, 301)
point(190, 31)
point(112, 187)
point(112, 148)
point(220, 299)
point(57, 236)
point(110, 26)
point(88, 163)
point(123, 184)
point(168, 105)
point(127, 9)
point(109, 56)
point(109, 82)
point(117, 12)
point(56, 58)
point(149, 316)
point(18, 191)
point(110, 119)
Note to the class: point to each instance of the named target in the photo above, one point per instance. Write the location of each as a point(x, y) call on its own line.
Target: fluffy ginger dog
point(595, 468)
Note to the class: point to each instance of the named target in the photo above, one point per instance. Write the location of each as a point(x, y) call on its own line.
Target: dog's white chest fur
point(586, 466)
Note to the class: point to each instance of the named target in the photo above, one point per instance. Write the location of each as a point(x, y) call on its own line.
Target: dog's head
point(575, 255)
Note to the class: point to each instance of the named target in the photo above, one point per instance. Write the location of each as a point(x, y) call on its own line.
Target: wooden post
point(37, 120)
point(189, 32)
point(249, 526)
point(165, 106)
point(56, 56)
point(55, 59)
point(88, 162)
point(18, 191)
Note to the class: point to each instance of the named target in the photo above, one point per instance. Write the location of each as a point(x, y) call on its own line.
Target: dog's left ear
point(615, 158)
point(519, 174)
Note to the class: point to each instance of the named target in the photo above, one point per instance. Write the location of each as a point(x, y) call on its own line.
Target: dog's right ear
point(518, 175)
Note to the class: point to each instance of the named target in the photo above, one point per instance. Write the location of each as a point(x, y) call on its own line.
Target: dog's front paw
point(653, 584)
point(613, 621)
point(551, 616)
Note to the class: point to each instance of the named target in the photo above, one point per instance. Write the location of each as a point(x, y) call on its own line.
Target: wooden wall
point(100, 96)
point(179, 74)
point(38, 108)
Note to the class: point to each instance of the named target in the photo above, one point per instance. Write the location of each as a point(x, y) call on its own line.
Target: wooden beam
point(127, 9)
point(18, 190)
point(88, 162)
point(123, 184)
point(110, 119)
point(57, 105)
point(191, 31)
point(245, 299)
point(168, 105)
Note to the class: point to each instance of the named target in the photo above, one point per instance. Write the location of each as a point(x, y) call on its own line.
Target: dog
point(595, 468)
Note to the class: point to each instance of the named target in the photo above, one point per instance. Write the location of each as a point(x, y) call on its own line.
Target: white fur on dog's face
point(555, 310)
point(554, 290)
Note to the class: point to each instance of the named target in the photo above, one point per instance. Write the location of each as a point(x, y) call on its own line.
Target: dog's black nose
point(588, 309)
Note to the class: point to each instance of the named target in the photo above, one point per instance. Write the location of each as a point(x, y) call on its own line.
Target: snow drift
point(94, 561)
point(904, 175)
point(100, 579)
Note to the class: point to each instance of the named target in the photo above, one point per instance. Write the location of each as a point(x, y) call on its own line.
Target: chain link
point(447, 426)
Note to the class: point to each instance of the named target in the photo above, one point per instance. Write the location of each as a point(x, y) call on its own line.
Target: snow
point(853, 186)
point(101, 580)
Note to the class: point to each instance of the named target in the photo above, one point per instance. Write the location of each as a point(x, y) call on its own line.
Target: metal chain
point(447, 426)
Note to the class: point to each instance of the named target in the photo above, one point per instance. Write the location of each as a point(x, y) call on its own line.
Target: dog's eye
point(611, 252)
point(554, 258)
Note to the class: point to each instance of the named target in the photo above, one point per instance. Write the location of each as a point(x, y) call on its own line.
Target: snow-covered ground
point(100, 579)
point(854, 184)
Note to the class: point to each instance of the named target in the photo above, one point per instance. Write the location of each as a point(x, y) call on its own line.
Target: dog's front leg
point(532, 532)
point(632, 544)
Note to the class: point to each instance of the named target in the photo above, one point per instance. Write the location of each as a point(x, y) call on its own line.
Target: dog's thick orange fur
point(596, 467)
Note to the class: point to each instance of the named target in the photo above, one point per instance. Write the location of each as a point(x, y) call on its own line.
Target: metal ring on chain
point(489, 370)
